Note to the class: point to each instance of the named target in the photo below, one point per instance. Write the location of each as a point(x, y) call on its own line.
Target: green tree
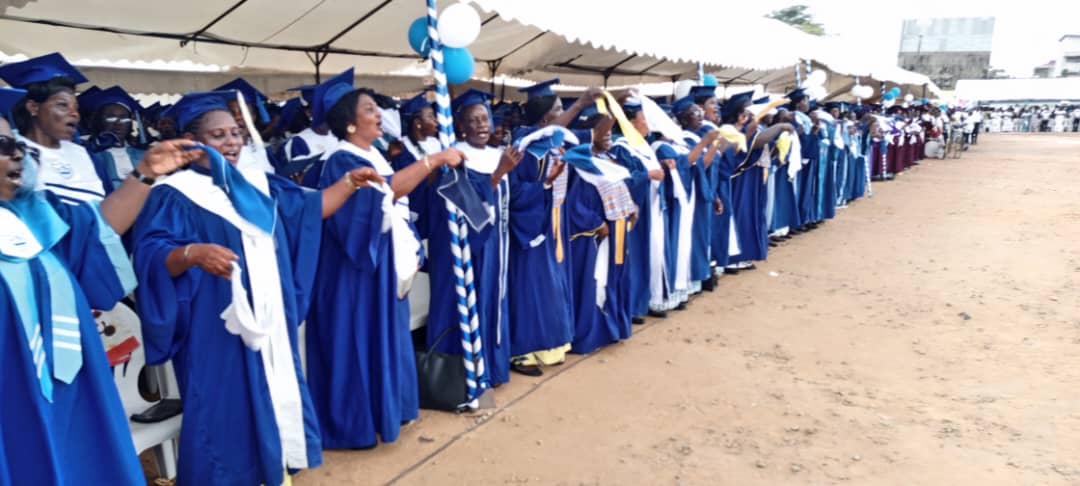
point(796, 15)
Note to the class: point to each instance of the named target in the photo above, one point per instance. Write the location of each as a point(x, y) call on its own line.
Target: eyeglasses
point(8, 146)
point(116, 119)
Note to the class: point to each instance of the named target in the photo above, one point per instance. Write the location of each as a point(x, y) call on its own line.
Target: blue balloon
point(889, 96)
point(708, 80)
point(895, 91)
point(418, 37)
point(458, 63)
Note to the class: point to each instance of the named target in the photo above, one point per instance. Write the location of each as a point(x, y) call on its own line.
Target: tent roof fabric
point(591, 42)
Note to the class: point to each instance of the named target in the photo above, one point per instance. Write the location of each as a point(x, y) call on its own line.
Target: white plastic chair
point(162, 435)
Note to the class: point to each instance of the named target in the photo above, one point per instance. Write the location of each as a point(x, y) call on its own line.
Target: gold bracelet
point(427, 164)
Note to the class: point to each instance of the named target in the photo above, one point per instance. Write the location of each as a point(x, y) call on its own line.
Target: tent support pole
point(317, 59)
point(207, 27)
point(493, 67)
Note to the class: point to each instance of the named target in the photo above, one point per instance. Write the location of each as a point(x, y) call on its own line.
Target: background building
point(1068, 62)
point(948, 49)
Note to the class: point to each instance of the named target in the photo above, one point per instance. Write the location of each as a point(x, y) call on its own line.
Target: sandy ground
point(927, 335)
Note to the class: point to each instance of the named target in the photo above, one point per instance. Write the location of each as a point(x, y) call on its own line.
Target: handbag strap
point(441, 336)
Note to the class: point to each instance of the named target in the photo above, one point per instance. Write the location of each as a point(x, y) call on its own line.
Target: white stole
point(395, 219)
point(657, 265)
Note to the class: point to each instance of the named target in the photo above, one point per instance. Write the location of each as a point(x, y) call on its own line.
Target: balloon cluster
point(459, 26)
point(891, 94)
point(862, 91)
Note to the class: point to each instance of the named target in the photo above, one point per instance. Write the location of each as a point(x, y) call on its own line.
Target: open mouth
point(14, 176)
point(231, 155)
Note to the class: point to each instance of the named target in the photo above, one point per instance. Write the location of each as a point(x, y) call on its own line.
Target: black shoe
point(708, 285)
point(749, 267)
point(681, 306)
point(658, 314)
point(773, 244)
point(527, 370)
point(731, 271)
point(637, 320)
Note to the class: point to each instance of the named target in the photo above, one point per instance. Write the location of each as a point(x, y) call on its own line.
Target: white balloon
point(816, 78)
point(459, 25)
point(682, 88)
point(909, 97)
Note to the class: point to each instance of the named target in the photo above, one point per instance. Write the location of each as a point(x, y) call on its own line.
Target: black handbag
point(441, 378)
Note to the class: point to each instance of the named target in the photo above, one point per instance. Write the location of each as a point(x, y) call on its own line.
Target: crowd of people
point(231, 220)
point(1031, 118)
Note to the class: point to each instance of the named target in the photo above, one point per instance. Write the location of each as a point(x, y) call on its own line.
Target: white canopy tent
point(523, 39)
point(277, 44)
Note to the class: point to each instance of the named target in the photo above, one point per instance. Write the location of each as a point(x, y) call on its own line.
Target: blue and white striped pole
point(475, 374)
point(798, 74)
point(701, 73)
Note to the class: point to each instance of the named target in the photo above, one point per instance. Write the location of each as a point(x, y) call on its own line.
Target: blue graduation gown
point(105, 165)
point(785, 206)
point(826, 174)
point(726, 163)
point(748, 195)
point(808, 177)
point(674, 210)
point(540, 312)
point(489, 266)
point(704, 179)
point(636, 271)
point(594, 327)
point(229, 433)
point(82, 437)
point(361, 363)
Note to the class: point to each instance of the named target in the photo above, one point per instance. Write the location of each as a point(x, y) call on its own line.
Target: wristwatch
point(142, 178)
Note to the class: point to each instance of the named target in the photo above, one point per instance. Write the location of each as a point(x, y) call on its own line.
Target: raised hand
point(167, 156)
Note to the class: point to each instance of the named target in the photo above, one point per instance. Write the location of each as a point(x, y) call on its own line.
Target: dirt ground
point(927, 335)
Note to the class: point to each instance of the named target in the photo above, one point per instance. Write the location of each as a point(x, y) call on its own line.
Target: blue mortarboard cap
point(471, 97)
point(813, 105)
point(251, 95)
point(762, 100)
point(669, 109)
point(39, 69)
point(413, 105)
point(682, 104)
point(582, 120)
point(306, 92)
point(8, 98)
point(86, 94)
point(703, 92)
point(736, 104)
point(111, 96)
point(568, 100)
point(540, 89)
point(328, 93)
point(796, 95)
point(193, 105)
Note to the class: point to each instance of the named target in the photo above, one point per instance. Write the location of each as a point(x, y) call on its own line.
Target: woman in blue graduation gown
point(541, 318)
point(361, 363)
point(62, 421)
point(485, 168)
point(599, 212)
point(112, 114)
point(208, 237)
point(701, 135)
point(646, 189)
point(749, 185)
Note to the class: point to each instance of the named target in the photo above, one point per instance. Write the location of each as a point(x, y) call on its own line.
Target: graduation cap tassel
point(475, 374)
